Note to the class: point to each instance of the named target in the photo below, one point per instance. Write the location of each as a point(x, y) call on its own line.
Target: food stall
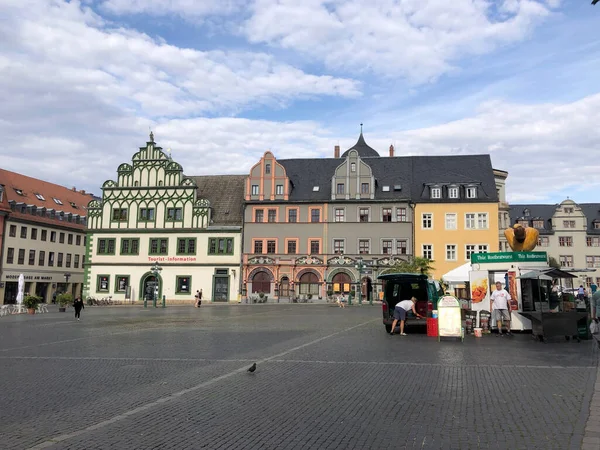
point(550, 314)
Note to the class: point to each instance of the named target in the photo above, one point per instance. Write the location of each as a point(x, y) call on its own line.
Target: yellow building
point(456, 211)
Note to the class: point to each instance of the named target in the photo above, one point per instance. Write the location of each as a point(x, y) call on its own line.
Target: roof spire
point(361, 128)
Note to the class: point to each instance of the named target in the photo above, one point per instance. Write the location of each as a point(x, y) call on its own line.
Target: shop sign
point(28, 277)
point(449, 317)
point(508, 257)
point(171, 259)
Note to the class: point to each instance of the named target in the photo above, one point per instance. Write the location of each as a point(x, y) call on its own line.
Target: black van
point(403, 286)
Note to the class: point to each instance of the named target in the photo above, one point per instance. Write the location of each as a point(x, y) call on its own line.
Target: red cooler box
point(432, 327)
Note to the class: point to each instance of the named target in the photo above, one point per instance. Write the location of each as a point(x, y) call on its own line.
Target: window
point(538, 224)
point(50, 259)
point(10, 255)
point(340, 188)
point(78, 240)
point(292, 247)
point(221, 246)
point(279, 189)
point(68, 260)
point(340, 215)
point(315, 188)
point(315, 215)
point(401, 246)
point(258, 215)
point(565, 241)
point(12, 231)
point(386, 214)
point(53, 236)
point(385, 188)
point(174, 214)
point(292, 215)
point(451, 221)
point(158, 246)
point(338, 246)
point(33, 234)
point(427, 221)
point(364, 188)
point(41, 257)
point(352, 167)
point(427, 251)
point(59, 261)
point(44, 235)
point(544, 241)
point(436, 192)
point(450, 252)
point(596, 225)
point(106, 247)
point(568, 210)
point(119, 214)
point(186, 246)
point(524, 223)
point(84, 240)
point(566, 260)
point(592, 261)
point(470, 221)
point(315, 247)
point(272, 215)
point(363, 214)
point(400, 214)
point(121, 283)
point(70, 239)
point(482, 248)
point(569, 223)
point(386, 247)
point(453, 192)
point(364, 246)
point(469, 250)
point(592, 241)
point(482, 221)
point(40, 197)
point(76, 262)
point(24, 232)
point(271, 246)
point(309, 284)
point(255, 189)
point(61, 238)
point(183, 284)
point(471, 192)
point(57, 201)
point(130, 246)
point(258, 246)
point(146, 214)
point(267, 168)
point(102, 283)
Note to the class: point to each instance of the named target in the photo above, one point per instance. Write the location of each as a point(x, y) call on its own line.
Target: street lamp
point(156, 270)
point(277, 291)
point(359, 266)
point(67, 275)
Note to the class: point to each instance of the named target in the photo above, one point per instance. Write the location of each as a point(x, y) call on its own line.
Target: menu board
point(449, 317)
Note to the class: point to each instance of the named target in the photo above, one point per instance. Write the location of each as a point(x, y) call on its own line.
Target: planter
point(62, 309)
point(30, 310)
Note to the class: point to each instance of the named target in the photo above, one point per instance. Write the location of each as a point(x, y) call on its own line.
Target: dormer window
point(267, 168)
point(538, 224)
point(436, 192)
point(472, 192)
point(524, 223)
point(40, 197)
point(73, 205)
point(397, 187)
point(526, 212)
point(18, 191)
point(453, 192)
point(385, 189)
point(352, 167)
point(57, 201)
point(315, 188)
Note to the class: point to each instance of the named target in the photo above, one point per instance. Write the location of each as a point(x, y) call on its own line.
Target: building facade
point(43, 237)
point(313, 227)
point(568, 232)
point(456, 209)
point(503, 210)
point(154, 214)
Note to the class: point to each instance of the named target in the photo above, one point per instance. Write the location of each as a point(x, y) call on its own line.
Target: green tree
point(416, 265)
point(552, 262)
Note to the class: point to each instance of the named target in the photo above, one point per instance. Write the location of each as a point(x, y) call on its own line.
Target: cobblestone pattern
point(185, 371)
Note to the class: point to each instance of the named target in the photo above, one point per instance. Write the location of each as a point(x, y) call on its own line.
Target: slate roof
point(545, 211)
point(362, 148)
point(226, 196)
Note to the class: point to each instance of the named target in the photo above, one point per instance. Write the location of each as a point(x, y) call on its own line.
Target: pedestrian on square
point(500, 298)
point(198, 298)
point(78, 305)
point(596, 304)
point(400, 311)
point(340, 300)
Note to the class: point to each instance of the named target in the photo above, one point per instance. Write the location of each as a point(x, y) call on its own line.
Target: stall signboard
point(510, 257)
point(480, 290)
point(512, 290)
point(449, 317)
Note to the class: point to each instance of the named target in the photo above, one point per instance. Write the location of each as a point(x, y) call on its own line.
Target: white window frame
point(436, 192)
point(480, 248)
point(279, 189)
point(431, 258)
point(430, 220)
point(358, 246)
point(486, 221)
point(335, 210)
point(353, 167)
point(455, 250)
point(471, 192)
point(358, 213)
point(467, 250)
point(398, 209)
point(474, 218)
point(407, 246)
point(343, 245)
point(391, 247)
point(455, 221)
point(255, 191)
point(453, 192)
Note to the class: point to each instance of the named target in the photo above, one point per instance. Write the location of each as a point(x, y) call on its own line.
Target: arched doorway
point(309, 284)
point(284, 287)
point(149, 285)
point(261, 282)
point(341, 283)
point(367, 288)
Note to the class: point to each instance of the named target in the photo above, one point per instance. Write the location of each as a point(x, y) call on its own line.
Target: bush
point(31, 301)
point(64, 299)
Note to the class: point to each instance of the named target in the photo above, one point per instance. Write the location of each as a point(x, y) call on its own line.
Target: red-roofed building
point(42, 236)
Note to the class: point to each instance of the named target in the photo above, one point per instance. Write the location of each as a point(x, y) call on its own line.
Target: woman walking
point(78, 305)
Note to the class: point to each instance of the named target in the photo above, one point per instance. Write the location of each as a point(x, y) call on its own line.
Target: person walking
point(340, 300)
point(78, 305)
point(198, 298)
point(400, 311)
point(500, 298)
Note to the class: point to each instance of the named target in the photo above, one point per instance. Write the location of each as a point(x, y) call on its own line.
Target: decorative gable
point(268, 180)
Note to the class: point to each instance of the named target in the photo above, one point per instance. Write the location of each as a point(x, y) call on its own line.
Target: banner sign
point(500, 257)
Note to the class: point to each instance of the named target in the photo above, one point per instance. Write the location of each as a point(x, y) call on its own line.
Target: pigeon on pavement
point(252, 368)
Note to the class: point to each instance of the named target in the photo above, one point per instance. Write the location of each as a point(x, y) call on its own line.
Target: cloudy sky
point(221, 81)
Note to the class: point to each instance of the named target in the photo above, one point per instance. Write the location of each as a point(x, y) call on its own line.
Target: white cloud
point(186, 8)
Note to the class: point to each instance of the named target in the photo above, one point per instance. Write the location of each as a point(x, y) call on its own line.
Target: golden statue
point(521, 239)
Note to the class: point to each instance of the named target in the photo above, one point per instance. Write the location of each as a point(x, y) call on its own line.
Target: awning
point(546, 274)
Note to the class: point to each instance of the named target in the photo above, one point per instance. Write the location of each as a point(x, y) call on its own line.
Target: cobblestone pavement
point(327, 378)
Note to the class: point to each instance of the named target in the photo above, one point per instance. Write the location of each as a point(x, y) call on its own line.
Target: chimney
point(336, 151)
point(82, 191)
point(74, 189)
point(391, 151)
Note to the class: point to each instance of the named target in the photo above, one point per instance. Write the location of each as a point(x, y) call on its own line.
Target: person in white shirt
point(400, 311)
point(500, 298)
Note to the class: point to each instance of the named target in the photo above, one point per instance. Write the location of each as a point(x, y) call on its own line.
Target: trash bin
point(485, 322)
